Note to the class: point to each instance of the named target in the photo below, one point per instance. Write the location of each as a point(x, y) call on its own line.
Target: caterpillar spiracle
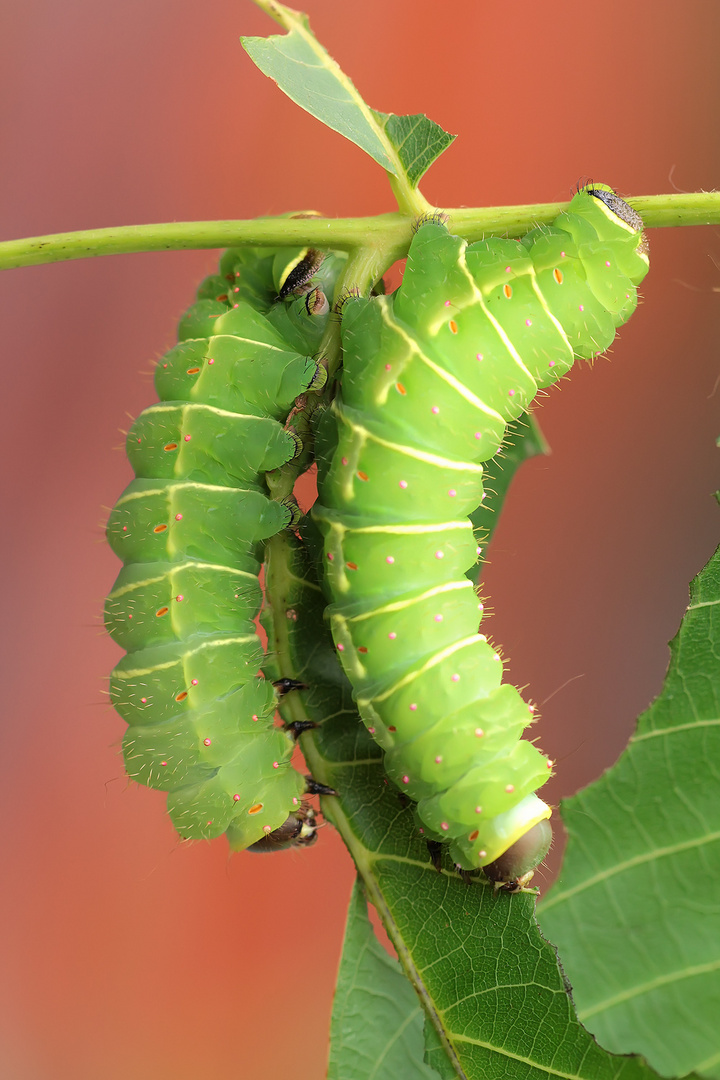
point(431, 377)
point(190, 530)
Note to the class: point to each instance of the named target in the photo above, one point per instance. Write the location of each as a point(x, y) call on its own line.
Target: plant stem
point(384, 231)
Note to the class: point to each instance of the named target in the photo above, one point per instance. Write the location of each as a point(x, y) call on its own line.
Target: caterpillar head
point(298, 830)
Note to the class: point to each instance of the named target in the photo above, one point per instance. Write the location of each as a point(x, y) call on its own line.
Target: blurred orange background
point(126, 954)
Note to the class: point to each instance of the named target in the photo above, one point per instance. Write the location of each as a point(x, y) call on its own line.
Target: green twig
point(384, 231)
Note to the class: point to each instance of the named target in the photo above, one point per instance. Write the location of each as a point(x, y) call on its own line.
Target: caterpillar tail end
point(521, 839)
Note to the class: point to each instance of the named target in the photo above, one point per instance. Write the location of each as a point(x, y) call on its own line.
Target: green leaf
point(405, 146)
point(376, 1029)
point(524, 440)
point(489, 982)
point(636, 913)
point(418, 141)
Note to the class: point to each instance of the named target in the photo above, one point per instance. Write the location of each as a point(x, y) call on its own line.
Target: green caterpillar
point(190, 530)
point(431, 377)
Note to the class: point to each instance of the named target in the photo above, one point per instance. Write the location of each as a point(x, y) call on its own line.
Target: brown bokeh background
point(126, 954)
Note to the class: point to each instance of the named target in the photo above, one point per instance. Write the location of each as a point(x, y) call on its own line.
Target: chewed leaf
point(635, 914)
point(403, 145)
point(418, 140)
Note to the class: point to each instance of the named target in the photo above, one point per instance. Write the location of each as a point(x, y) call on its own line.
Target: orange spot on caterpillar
point(400, 388)
point(362, 476)
point(351, 565)
point(181, 696)
point(362, 648)
point(255, 808)
point(507, 291)
point(453, 326)
point(161, 611)
point(170, 446)
point(193, 370)
point(558, 275)
point(392, 729)
point(159, 528)
point(474, 835)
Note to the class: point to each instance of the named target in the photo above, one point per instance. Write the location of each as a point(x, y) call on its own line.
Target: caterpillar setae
point(431, 377)
point(190, 530)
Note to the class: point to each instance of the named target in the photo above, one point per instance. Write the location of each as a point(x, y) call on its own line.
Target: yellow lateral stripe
point(543, 303)
point(480, 299)
point(172, 567)
point(451, 380)
point(175, 485)
point(400, 605)
point(250, 341)
point(199, 406)
point(126, 674)
point(419, 455)
point(436, 659)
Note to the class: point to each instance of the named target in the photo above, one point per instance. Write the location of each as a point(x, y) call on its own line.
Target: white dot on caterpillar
point(482, 854)
point(483, 496)
point(267, 828)
point(341, 648)
point(511, 393)
point(144, 700)
point(163, 763)
point(211, 361)
point(479, 356)
point(207, 742)
point(392, 635)
point(479, 732)
point(551, 364)
point(478, 435)
point(403, 484)
point(124, 528)
point(193, 682)
point(452, 493)
point(438, 618)
point(456, 677)
point(478, 809)
point(413, 707)
point(344, 460)
point(236, 797)
point(438, 759)
point(389, 559)
point(528, 322)
point(550, 763)
point(276, 765)
point(188, 438)
point(255, 718)
point(435, 410)
point(330, 556)
point(295, 801)
point(371, 730)
point(439, 554)
point(406, 779)
point(509, 788)
point(180, 597)
point(178, 517)
point(447, 303)
point(581, 307)
point(387, 367)
point(444, 826)
point(607, 263)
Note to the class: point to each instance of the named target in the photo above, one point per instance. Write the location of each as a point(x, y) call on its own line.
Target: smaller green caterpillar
point(432, 376)
point(190, 530)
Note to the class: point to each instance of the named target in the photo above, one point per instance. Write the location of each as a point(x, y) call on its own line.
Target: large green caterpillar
point(190, 530)
point(431, 377)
